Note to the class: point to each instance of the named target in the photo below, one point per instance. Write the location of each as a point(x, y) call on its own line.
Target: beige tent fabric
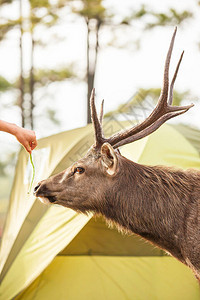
point(191, 134)
point(113, 278)
point(56, 229)
point(97, 239)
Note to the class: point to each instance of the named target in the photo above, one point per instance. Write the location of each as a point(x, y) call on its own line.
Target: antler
point(101, 113)
point(97, 122)
point(162, 112)
point(173, 80)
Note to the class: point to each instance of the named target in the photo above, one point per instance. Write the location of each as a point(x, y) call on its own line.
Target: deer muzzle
point(42, 192)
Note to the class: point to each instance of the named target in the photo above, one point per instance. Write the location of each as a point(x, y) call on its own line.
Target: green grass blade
point(33, 175)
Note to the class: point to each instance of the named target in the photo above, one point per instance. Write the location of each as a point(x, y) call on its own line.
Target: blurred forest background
point(52, 53)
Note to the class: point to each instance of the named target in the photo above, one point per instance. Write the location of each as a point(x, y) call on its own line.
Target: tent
point(50, 252)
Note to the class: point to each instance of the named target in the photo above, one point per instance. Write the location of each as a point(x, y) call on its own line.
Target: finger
point(33, 144)
point(28, 148)
point(33, 147)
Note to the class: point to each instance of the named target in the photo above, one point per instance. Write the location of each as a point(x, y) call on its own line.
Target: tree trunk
point(32, 83)
point(21, 82)
point(92, 52)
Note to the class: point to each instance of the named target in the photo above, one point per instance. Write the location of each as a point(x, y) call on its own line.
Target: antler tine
point(95, 120)
point(153, 127)
point(173, 80)
point(164, 92)
point(101, 113)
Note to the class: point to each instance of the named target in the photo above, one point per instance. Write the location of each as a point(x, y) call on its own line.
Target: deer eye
point(79, 170)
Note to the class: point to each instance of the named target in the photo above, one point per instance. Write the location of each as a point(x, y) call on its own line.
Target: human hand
point(27, 138)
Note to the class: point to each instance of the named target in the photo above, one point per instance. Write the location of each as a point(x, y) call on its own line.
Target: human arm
point(26, 137)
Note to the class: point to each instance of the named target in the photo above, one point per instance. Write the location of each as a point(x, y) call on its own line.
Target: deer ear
point(109, 158)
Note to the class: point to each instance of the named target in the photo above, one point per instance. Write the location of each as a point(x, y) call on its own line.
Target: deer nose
point(36, 188)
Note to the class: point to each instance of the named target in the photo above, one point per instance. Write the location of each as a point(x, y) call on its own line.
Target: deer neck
point(151, 202)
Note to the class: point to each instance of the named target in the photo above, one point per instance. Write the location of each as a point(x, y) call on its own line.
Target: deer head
point(86, 184)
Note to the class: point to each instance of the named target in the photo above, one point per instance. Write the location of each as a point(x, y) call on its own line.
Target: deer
point(160, 204)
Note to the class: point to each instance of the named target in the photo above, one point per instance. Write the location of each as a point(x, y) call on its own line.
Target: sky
point(120, 72)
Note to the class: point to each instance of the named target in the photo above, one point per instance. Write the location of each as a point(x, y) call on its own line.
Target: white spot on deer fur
point(64, 177)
